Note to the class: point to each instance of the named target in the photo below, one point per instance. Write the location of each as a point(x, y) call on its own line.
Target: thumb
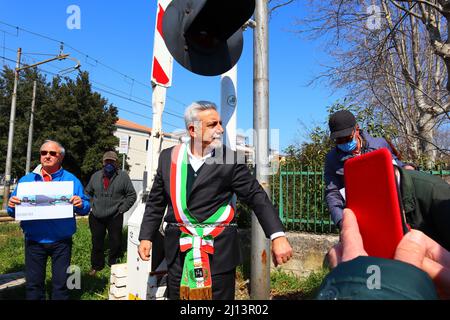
point(412, 249)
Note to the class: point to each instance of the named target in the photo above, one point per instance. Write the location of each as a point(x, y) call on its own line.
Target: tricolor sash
point(197, 239)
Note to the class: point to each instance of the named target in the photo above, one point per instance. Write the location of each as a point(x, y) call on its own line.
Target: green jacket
point(117, 199)
point(426, 201)
point(370, 278)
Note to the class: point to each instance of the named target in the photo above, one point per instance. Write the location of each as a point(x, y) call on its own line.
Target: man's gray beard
point(216, 143)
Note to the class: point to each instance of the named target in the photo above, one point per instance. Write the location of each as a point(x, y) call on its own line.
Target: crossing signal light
point(205, 36)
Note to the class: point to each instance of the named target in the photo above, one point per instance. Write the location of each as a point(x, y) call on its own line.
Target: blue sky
point(120, 36)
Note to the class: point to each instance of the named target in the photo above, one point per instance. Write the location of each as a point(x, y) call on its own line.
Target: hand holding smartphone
point(372, 193)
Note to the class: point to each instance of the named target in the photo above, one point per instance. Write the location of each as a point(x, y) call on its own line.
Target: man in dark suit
point(196, 181)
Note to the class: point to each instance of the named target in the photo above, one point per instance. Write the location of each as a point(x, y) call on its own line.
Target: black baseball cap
point(341, 124)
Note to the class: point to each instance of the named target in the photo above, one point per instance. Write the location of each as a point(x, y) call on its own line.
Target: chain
point(203, 225)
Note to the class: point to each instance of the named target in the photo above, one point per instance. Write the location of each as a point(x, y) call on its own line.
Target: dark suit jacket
point(215, 184)
point(426, 200)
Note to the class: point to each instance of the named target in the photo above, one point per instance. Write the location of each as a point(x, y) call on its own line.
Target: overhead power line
point(130, 98)
point(166, 111)
point(97, 61)
point(96, 88)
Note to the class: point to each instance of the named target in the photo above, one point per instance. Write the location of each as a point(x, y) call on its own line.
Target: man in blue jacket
point(350, 141)
point(49, 238)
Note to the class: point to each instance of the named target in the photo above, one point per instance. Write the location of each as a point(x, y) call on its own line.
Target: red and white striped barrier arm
point(162, 59)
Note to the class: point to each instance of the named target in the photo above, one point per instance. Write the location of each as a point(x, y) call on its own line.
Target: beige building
point(138, 144)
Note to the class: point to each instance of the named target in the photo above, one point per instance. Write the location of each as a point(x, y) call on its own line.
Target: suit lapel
point(205, 172)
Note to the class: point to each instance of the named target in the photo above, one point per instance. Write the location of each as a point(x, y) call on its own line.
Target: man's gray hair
point(61, 148)
point(191, 112)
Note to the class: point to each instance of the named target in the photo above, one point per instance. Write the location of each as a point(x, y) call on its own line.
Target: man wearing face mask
point(113, 194)
point(350, 141)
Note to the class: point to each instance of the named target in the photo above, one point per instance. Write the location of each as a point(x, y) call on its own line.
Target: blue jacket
point(49, 231)
point(334, 173)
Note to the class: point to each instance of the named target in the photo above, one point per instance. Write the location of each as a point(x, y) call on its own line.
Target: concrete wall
point(309, 251)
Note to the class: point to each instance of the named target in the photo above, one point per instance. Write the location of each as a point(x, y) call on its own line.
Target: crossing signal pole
point(205, 37)
point(260, 253)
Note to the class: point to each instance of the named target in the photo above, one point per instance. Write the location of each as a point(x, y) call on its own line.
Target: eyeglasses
point(344, 139)
point(52, 153)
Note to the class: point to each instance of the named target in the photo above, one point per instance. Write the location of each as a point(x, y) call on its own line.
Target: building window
point(146, 145)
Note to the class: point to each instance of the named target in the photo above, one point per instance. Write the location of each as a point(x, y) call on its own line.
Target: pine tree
point(67, 111)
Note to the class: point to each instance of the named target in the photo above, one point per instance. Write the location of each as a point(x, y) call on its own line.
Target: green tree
point(23, 109)
point(68, 111)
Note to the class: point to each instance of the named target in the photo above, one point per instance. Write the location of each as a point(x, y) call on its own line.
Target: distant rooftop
point(126, 124)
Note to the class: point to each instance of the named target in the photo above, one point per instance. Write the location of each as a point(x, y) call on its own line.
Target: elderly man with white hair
point(52, 237)
point(196, 181)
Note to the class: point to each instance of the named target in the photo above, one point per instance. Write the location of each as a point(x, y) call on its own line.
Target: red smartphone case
point(371, 192)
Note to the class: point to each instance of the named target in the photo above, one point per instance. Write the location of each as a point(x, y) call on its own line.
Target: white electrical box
point(138, 270)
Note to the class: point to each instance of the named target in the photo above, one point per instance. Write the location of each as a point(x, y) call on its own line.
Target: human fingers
point(76, 201)
point(436, 252)
point(440, 276)
point(412, 248)
point(334, 255)
point(352, 244)
point(13, 201)
point(144, 250)
point(281, 250)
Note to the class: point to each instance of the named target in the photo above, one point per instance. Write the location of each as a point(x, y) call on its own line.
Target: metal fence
point(298, 192)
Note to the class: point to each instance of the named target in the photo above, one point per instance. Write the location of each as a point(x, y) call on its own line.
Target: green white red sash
point(197, 238)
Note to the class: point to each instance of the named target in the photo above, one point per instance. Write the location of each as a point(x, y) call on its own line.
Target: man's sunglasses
point(342, 140)
point(52, 153)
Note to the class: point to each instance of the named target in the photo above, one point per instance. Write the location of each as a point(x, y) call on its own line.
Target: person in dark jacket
point(420, 269)
point(426, 203)
point(196, 182)
point(350, 141)
point(113, 194)
point(52, 237)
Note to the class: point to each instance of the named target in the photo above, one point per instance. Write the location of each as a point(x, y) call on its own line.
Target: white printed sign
point(123, 145)
point(44, 200)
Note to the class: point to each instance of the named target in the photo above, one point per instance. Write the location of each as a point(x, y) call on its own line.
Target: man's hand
point(350, 245)
point(415, 248)
point(144, 249)
point(76, 201)
point(281, 250)
point(13, 201)
point(423, 252)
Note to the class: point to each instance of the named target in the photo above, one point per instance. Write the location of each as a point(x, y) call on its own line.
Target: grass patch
point(12, 259)
point(12, 254)
point(291, 287)
point(284, 286)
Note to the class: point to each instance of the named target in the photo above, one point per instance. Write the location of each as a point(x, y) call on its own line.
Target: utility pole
point(260, 253)
point(30, 129)
point(13, 117)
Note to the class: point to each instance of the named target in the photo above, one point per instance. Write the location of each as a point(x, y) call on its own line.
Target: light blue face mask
point(348, 146)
